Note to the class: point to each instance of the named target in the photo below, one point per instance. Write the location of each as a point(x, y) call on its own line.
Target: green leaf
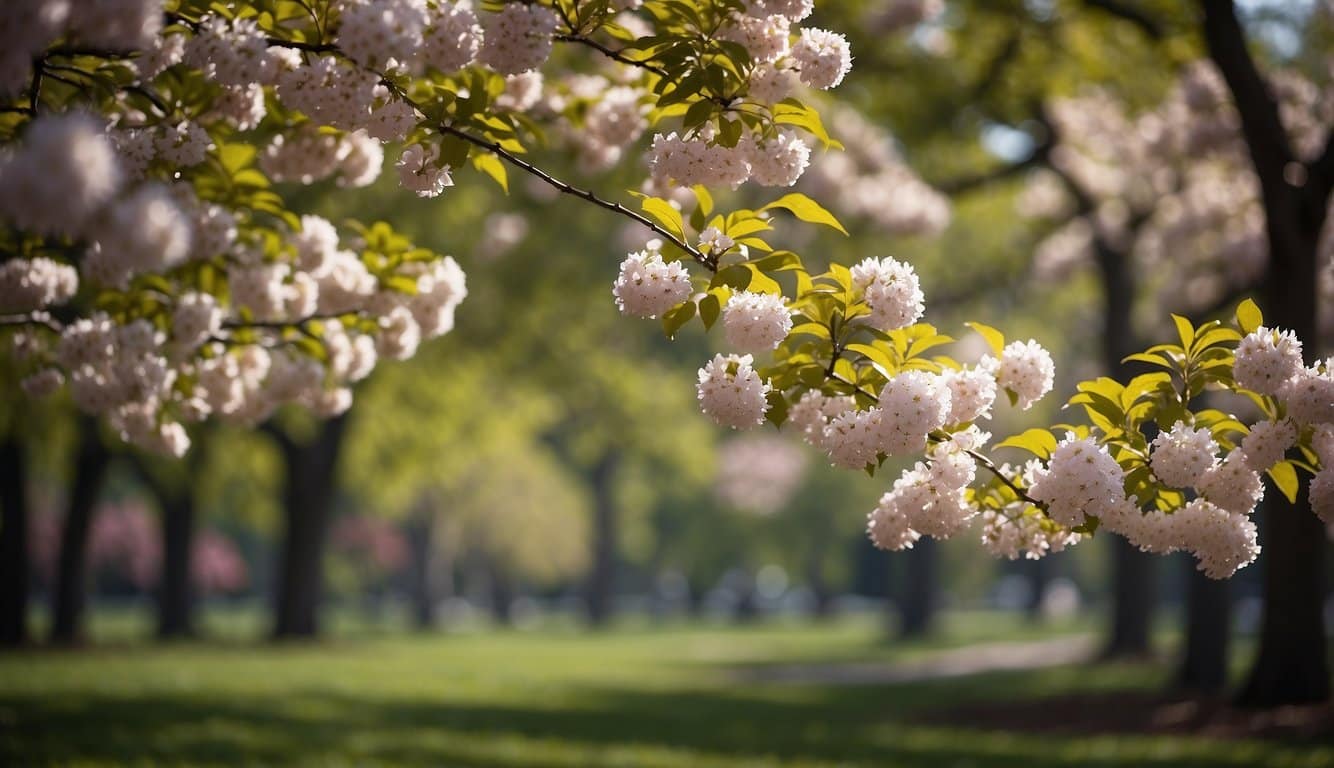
point(677, 317)
point(995, 339)
point(703, 199)
point(234, 157)
point(1249, 316)
point(806, 209)
point(1284, 475)
point(1185, 330)
point(874, 354)
point(1037, 441)
point(736, 277)
point(709, 308)
point(669, 217)
point(490, 165)
point(777, 413)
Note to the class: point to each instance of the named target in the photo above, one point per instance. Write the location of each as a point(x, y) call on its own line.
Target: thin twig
point(613, 54)
point(709, 262)
point(278, 42)
point(40, 320)
point(991, 467)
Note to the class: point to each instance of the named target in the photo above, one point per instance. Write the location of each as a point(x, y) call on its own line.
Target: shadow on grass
point(586, 726)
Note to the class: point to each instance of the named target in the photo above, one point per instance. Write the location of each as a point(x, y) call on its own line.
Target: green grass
point(634, 697)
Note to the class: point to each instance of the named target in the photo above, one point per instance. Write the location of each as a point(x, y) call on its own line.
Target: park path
point(956, 662)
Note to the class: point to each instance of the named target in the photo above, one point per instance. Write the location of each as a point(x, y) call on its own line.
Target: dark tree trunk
point(601, 588)
point(1208, 628)
point(423, 596)
point(1134, 593)
point(747, 604)
point(1291, 666)
point(1039, 572)
point(432, 568)
point(502, 595)
point(920, 596)
point(823, 605)
point(13, 542)
point(175, 588)
point(307, 501)
point(71, 598)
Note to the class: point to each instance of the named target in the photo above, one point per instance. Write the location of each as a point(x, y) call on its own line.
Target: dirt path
point(958, 662)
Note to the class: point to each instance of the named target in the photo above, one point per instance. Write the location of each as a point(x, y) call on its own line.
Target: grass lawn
point(683, 696)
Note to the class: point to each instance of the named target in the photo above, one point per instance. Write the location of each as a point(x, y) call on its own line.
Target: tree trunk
point(71, 598)
point(601, 588)
point(423, 596)
point(502, 595)
point(823, 605)
point(747, 603)
point(1291, 665)
point(1208, 628)
point(1134, 596)
point(14, 566)
point(1039, 577)
point(921, 589)
point(432, 567)
point(307, 500)
point(175, 587)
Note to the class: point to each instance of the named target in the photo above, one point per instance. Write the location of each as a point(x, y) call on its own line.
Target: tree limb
point(1121, 10)
point(1266, 138)
point(1039, 157)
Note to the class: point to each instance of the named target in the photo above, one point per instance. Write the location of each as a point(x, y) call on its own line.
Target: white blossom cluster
point(27, 27)
point(1221, 541)
point(817, 58)
point(1024, 369)
point(1267, 359)
point(732, 393)
point(1011, 532)
point(149, 384)
point(891, 291)
point(647, 286)
point(756, 322)
point(517, 38)
point(813, 411)
point(1081, 479)
point(1182, 455)
point(678, 160)
point(28, 285)
point(929, 499)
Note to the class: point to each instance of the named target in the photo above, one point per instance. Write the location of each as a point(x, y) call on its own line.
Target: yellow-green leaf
point(1249, 316)
point(1284, 475)
point(1039, 442)
point(669, 217)
point(806, 209)
point(994, 338)
point(490, 165)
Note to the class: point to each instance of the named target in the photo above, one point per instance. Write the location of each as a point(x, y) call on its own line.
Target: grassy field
point(635, 697)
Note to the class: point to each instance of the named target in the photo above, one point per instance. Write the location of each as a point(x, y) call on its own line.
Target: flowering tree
point(156, 266)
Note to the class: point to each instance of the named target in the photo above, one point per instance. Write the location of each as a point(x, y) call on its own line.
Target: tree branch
point(39, 319)
point(1129, 13)
point(709, 262)
point(612, 54)
point(1320, 176)
point(1266, 138)
point(1040, 156)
